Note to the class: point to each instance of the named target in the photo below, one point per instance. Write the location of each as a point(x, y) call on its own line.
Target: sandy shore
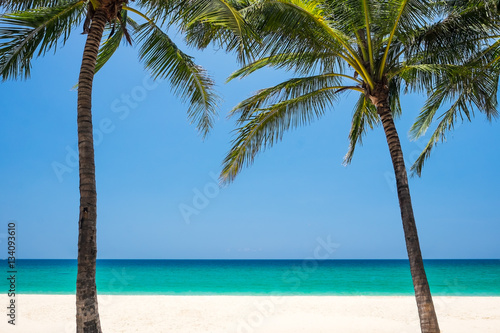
point(246, 314)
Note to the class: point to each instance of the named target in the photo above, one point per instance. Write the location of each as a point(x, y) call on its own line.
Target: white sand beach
point(254, 314)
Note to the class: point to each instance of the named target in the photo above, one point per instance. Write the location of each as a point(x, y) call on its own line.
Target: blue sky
point(152, 166)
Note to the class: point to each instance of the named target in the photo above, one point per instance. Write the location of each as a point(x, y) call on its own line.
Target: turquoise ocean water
point(258, 277)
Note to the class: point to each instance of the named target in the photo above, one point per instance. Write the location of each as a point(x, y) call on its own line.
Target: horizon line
point(261, 259)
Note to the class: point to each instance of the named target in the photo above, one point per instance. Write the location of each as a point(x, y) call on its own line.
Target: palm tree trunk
point(87, 314)
point(427, 314)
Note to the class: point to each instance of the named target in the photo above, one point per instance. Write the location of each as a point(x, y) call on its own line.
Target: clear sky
point(152, 166)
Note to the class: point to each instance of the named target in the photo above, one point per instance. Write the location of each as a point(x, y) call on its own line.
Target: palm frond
point(111, 44)
point(298, 27)
point(347, 15)
point(287, 90)
point(266, 126)
point(444, 125)
point(108, 48)
point(466, 89)
point(23, 33)
point(394, 97)
point(365, 114)
point(414, 14)
point(402, 16)
point(219, 21)
point(206, 21)
point(474, 90)
point(462, 32)
point(298, 63)
point(189, 81)
point(23, 5)
point(164, 11)
point(369, 44)
point(419, 77)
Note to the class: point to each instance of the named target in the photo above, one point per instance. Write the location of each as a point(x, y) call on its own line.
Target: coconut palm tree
point(32, 28)
point(370, 47)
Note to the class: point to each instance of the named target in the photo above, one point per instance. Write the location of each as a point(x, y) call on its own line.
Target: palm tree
point(35, 27)
point(369, 47)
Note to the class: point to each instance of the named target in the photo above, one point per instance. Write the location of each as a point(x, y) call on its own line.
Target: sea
point(257, 277)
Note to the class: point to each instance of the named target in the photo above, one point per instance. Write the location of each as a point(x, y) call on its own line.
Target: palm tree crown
point(32, 28)
point(379, 49)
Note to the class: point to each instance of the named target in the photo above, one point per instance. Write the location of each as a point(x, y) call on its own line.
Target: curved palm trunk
point(427, 314)
point(87, 314)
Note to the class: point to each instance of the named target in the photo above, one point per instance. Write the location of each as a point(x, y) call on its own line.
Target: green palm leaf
point(206, 21)
point(297, 27)
point(189, 81)
point(23, 5)
point(475, 89)
point(265, 126)
point(463, 31)
point(111, 44)
point(364, 115)
point(219, 21)
point(108, 48)
point(289, 90)
point(302, 63)
point(23, 33)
